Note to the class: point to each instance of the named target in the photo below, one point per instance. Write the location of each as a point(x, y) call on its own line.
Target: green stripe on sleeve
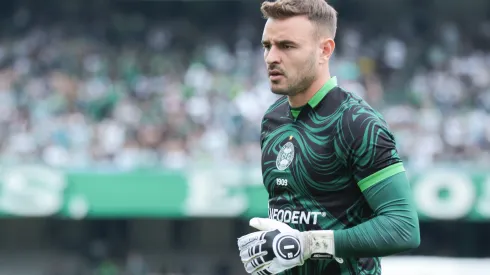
point(381, 175)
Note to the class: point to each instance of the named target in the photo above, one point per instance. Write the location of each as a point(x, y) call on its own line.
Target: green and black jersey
point(333, 165)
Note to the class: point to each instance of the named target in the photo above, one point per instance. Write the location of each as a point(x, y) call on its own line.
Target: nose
point(272, 56)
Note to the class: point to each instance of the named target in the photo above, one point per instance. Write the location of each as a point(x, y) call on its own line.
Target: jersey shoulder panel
point(279, 109)
point(355, 107)
point(364, 141)
point(276, 107)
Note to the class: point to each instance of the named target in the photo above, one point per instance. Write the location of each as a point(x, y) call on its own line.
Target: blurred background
point(129, 130)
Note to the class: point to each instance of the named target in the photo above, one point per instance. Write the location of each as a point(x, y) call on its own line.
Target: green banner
point(36, 191)
point(452, 194)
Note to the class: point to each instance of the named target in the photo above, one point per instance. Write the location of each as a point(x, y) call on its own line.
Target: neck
point(302, 98)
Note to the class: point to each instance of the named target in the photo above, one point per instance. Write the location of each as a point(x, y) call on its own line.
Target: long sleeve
point(394, 229)
point(368, 149)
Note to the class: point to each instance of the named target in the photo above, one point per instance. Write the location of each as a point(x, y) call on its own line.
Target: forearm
point(381, 236)
point(394, 229)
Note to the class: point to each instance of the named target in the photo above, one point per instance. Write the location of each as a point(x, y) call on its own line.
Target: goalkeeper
point(339, 198)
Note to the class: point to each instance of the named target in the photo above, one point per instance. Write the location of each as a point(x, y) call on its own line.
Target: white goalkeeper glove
point(278, 247)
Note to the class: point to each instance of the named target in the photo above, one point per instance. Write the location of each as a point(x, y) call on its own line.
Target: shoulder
point(276, 111)
point(273, 115)
point(278, 107)
point(364, 141)
point(362, 129)
point(358, 115)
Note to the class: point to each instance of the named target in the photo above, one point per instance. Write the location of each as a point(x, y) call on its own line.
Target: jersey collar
point(327, 87)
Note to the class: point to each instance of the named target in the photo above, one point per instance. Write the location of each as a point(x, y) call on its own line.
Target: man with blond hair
point(339, 198)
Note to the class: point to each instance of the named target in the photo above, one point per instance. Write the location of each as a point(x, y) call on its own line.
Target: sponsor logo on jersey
point(294, 217)
point(285, 156)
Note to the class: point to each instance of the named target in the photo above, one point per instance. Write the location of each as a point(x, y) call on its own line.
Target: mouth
point(275, 75)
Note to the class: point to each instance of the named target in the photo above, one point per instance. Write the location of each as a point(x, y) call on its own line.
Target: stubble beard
point(297, 86)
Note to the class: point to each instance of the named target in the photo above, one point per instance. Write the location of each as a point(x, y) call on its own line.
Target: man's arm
point(395, 227)
point(373, 159)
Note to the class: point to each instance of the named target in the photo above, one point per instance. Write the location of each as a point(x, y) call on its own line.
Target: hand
point(275, 248)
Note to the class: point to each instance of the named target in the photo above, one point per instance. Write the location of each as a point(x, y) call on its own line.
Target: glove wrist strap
point(320, 244)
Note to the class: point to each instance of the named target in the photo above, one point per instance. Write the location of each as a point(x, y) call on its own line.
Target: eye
point(266, 46)
point(287, 46)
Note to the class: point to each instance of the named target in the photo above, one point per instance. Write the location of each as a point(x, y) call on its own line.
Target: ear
point(327, 46)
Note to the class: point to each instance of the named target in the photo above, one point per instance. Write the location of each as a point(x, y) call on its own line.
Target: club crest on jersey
point(285, 156)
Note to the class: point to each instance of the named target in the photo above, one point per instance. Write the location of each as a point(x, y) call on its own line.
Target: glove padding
point(275, 248)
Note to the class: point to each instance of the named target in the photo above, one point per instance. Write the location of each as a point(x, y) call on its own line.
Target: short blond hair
point(317, 11)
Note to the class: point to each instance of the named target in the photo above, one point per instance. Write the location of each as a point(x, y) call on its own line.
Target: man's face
point(291, 53)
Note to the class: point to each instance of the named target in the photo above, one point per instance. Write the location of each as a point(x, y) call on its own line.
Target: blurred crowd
point(69, 99)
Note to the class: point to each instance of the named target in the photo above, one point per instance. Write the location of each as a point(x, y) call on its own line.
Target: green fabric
point(380, 176)
point(313, 102)
point(295, 112)
point(331, 83)
point(393, 229)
